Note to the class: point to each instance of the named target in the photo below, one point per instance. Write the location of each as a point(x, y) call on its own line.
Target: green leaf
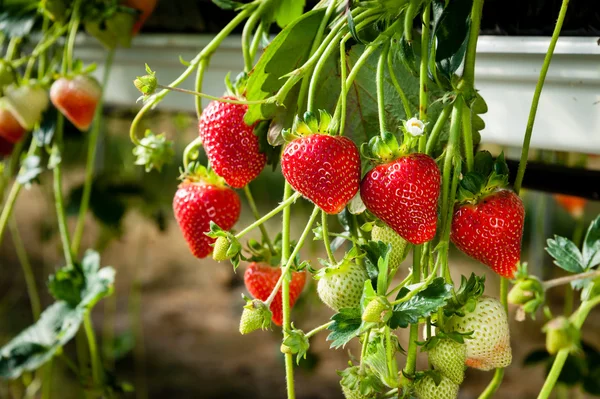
point(66, 285)
point(483, 163)
point(346, 325)
point(450, 34)
point(374, 252)
point(465, 298)
point(288, 51)
point(422, 304)
point(17, 20)
point(477, 123)
point(288, 11)
point(566, 254)
point(406, 54)
point(591, 245)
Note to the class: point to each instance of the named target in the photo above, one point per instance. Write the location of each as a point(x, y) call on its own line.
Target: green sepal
point(528, 292)
point(561, 334)
point(154, 151)
point(361, 380)
point(465, 298)
point(226, 247)
point(440, 335)
point(296, 343)
point(310, 124)
point(146, 84)
point(377, 310)
point(435, 375)
point(406, 53)
point(384, 148)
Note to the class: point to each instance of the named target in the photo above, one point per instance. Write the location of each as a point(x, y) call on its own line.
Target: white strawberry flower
point(414, 126)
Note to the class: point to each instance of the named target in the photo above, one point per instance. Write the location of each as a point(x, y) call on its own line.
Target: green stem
point(401, 93)
point(95, 360)
point(91, 158)
point(206, 52)
point(108, 330)
point(469, 70)
point(58, 194)
point(256, 40)
point(202, 67)
point(285, 255)
point(254, 209)
point(365, 345)
point(326, 237)
point(70, 45)
point(437, 128)
point(537, 94)
point(379, 79)
point(47, 381)
point(285, 204)
point(290, 261)
point(411, 358)
point(190, 153)
point(32, 291)
point(423, 98)
point(451, 151)
point(578, 319)
point(468, 137)
point(567, 279)
point(318, 329)
point(343, 76)
point(214, 98)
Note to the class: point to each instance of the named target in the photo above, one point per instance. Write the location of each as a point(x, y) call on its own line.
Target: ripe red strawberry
point(323, 168)
point(76, 99)
point(574, 205)
point(491, 230)
point(404, 194)
point(230, 144)
point(10, 129)
point(6, 147)
point(260, 279)
point(196, 204)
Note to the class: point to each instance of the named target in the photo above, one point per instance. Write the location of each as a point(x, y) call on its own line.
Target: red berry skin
point(491, 231)
point(10, 129)
point(325, 169)
point(6, 147)
point(261, 278)
point(197, 204)
point(76, 99)
point(404, 194)
point(230, 144)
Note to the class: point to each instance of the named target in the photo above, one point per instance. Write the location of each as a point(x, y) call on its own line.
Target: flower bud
point(561, 334)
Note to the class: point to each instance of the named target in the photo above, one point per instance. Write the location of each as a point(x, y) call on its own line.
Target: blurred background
point(171, 328)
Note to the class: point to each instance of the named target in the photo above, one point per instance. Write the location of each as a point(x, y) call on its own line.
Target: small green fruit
point(399, 245)
point(220, 249)
point(561, 334)
point(376, 310)
point(448, 357)
point(256, 315)
point(426, 388)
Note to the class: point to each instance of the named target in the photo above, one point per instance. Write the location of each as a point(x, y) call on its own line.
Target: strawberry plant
point(370, 120)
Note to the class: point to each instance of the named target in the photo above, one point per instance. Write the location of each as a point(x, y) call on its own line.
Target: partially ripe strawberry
point(10, 129)
point(489, 346)
point(260, 280)
point(230, 144)
point(490, 230)
point(448, 357)
point(574, 205)
point(198, 203)
point(77, 98)
point(404, 194)
point(426, 388)
point(399, 245)
point(6, 147)
point(323, 168)
point(341, 286)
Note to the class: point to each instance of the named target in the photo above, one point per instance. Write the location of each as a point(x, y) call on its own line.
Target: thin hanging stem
point(343, 76)
point(202, 67)
point(284, 205)
point(326, 237)
point(58, 194)
point(411, 359)
point(254, 210)
point(399, 90)
point(95, 360)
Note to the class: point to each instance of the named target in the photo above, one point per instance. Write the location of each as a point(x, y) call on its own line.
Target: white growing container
point(507, 70)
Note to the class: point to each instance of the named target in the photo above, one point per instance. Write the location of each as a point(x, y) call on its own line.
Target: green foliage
point(465, 298)
point(421, 305)
point(288, 11)
point(77, 289)
point(346, 325)
point(17, 20)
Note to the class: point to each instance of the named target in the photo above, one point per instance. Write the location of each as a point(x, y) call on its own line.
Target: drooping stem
point(468, 137)
point(326, 237)
point(537, 94)
point(47, 381)
point(32, 291)
point(254, 209)
point(411, 357)
point(379, 78)
point(437, 128)
point(202, 67)
point(285, 255)
point(95, 360)
point(285, 204)
point(343, 76)
point(567, 279)
point(91, 158)
point(423, 73)
point(215, 98)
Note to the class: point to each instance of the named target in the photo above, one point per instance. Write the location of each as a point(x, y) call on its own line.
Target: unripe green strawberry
point(341, 286)
point(399, 245)
point(448, 357)
point(376, 310)
point(220, 249)
point(489, 345)
point(561, 334)
point(256, 315)
point(426, 388)
point(359, 383)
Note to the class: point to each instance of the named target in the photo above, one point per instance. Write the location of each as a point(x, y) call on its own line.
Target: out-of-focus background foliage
point(172, 325)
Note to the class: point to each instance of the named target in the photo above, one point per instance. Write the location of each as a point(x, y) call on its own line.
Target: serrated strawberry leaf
point(375, 252)
point(422, 304)
point(591, 245)
point(566, 254)
point(346, 325)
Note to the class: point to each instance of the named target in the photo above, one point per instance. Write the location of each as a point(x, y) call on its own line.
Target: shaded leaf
point(465, 298)
point(422, 304)
point(44, 133)
point(346, 325)
point(288, 11)
point(30, 170)
point(591, 245)
point(566, 254)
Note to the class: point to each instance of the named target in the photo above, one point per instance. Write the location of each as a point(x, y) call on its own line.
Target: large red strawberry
point(490, 230)
point(260, 279)
point(230, 144)
point(199, 202)
point(76, 98)
point(323, 168)
point(10, 129)
point(404, 194)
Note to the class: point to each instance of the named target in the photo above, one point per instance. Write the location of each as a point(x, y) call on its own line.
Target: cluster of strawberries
point(22, 106)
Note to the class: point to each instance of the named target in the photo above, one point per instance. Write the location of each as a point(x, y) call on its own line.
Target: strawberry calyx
point(295, 343)
point(528, 292)
point(310, 124)
point(441, 335)
point(383, 148)
point(146, 84)
point(561, 334)
point(340, 267)
point(197, 173)
point(435, 375)
point(361, 380)
point(153, 151)
point(487, 177)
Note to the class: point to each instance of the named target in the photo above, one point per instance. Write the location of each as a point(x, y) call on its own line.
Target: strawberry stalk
point(30, 283)
point(343, 89)
point(318, 329)
point(254, 210)
point(423, 73)
point(411, 358)
point(326, 238)
point(248, 28)
point(282, 207)
point(468, 136)
point(379, 76)
point(214, 98)
point(202, 66)
point(437, 128)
